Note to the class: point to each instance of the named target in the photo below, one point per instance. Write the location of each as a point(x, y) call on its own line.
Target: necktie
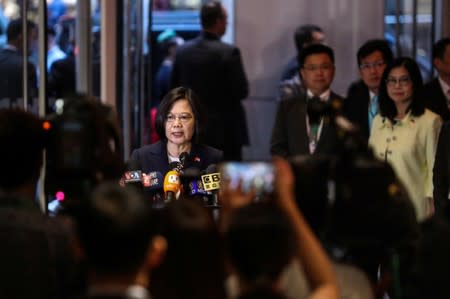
point(373, 109)
point(314, 109)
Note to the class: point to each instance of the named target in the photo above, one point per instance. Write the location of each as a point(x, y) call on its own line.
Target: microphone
point(154, 187)
point(315, 109)
point(133, 174)
point(153, 180)
point(185, 159)
point(172, 186)
point(211, 182)
point(175, 166)
point(195, 188)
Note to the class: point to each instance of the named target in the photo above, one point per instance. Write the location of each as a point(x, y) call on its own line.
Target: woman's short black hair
point(174, 95)
point(387, 106)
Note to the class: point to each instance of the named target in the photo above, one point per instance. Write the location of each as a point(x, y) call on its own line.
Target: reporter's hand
point(284, 182)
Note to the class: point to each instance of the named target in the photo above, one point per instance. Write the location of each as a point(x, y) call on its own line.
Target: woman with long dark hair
point(405, 134)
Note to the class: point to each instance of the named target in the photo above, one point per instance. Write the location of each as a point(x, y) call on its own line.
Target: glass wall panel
point(409, 29)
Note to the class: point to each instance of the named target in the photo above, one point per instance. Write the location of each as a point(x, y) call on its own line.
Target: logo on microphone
point(133, 176)
point(151, 179)
point(211, 181)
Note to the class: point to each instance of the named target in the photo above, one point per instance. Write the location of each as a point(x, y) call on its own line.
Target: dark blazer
point(356, 107)
point(290, 136)
point(214, 70)
point(435, 99)
point(62, 77)
point(441, 170)
point(154, 157)
point(11, 75)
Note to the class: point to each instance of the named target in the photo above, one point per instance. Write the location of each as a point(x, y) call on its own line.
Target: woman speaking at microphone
point(178, 123)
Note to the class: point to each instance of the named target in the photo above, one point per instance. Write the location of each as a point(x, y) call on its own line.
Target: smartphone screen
point(257, 175)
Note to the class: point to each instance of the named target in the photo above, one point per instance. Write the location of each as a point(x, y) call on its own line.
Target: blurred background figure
point(291, 81)
point(437, 91)
point(3, 25)
point(221, 84)
point(54, 51)
point(55, 9)
point(168, 41)
point(441, 170)
point(11, 62)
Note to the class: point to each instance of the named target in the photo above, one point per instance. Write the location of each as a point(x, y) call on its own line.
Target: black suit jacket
point(11, 75)
point(441, 170)
point(214, 70)
point(62, 77)
point(290, 135)
point(154, 157)
point(435, 99)
point(356, 107)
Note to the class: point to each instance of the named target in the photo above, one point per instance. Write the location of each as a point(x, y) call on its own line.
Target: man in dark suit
point(361, 106)
point(298, 130)
point(437, 91)
point(11, 62)
point(62, 77)
point(214, 70)
point(441, 170)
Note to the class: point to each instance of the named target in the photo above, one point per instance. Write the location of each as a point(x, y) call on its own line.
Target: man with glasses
point(361, 104)
point(299, 128)
point(437, 91)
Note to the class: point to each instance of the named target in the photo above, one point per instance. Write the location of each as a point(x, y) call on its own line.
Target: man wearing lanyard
point(300, 128)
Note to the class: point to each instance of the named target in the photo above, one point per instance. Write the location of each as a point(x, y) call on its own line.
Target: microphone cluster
point(184, 180)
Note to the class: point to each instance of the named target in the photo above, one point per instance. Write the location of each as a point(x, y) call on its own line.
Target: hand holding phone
point(257, 176)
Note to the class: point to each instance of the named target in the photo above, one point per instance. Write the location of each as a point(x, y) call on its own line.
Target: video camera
point(83, 147)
